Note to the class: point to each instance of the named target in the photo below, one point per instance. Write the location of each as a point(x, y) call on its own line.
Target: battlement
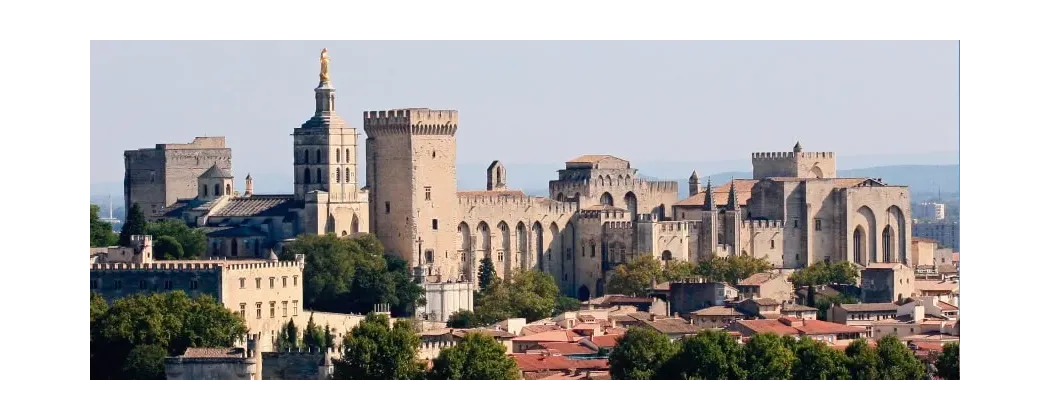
point(604, 214)
point(619, 225)
point(520, 202)
point(218, 142)
point(201, 265)
point(416, 121)
point(763, 224)
point(792, 155)
point(678, 226)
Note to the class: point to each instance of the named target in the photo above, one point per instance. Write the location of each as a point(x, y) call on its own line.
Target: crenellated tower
point(793, 164)
point(411, 158)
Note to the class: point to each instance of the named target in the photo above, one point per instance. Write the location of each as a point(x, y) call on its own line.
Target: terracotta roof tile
point(721, 193)
point(803, 327)
point(945, 306)
point(214, 353)
point(673, 326)
point(765, 301)
point(566, 348)
point(591, 158)
point(718, 311)
point(540, 362)
point(792, 307)
point(564, 336)
point(604, 341)
point(937, 285)
point(536, 329)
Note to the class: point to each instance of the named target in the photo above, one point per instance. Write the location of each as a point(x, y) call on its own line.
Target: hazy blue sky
point(538, 102)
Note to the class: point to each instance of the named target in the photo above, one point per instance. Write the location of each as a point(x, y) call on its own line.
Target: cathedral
point(599, 213)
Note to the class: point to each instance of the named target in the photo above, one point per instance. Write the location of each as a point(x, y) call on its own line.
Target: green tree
point(463, 319)
point(145, 362)
point(634, 277)
point(477, 357)
point(862, 360)
point(566, 304)
point(193, 242)
point(288, 336)
point(173, 321)
point(486, 273)
point(947, 363)
point(375, 351)
point(677, 270)
point(897, 362)
point(101, 232)
point(167, 248)
point(824, 303)
point(329, 338)
point(408, 295)
point(767, 357)
point(842, 272)
point(815, 360)
point(711, 354)
point(313, 337)
point(134, 224)
point(528, 294)
point(732, 269)
point(640, 354)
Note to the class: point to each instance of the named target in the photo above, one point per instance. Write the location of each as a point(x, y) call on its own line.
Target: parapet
point(218, 142)
point(792, 155)
point(416, 121)
point(763, 224)
point(521, 202)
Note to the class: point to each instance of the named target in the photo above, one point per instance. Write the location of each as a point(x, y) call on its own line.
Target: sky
point(662, 104)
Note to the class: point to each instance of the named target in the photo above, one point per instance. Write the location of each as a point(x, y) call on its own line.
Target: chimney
point(918, 312)
point(248, 186)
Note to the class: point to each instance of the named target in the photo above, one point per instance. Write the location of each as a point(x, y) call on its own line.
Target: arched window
point(337, 175)
point(887, 244)
point(666, 256)
point(347, 174)
point(592, 249)
point(347, 155)
point(233, 248)
point(218, 190)
point(319, 179)
point(204, 191)
point(306, 176)
point(306, 156)
point(337, 155)
point(228, 190)
point(318, 155)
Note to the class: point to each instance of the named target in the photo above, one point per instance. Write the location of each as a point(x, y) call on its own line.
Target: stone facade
point(158, 177)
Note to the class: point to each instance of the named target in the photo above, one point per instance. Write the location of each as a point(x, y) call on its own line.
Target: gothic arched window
point(318, 156)
point(319, 179)
point(306, 156)
point(306, 176)
point(337, 175)
point(218, 190)
point(347, 155)
point(347, 174)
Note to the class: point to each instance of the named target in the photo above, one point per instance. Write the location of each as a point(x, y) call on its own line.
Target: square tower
point(793, 164)
point(411, 158)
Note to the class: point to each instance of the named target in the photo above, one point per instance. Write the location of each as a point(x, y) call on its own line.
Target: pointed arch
point(319, 178)
point(523, 246)
point(860, 246)
point(631, 202)
point(900, 225)
point(218, 190)
point(355, 224)
point(338, 176)
point(465, 257)
point(347, 174)
point(606, 199)
point(318, 160)
point(537, 243)
point(554, 253)
point(503, 254)
point(871, 230)
point(306, 176)
point(887, 244)
point(583, 293)
point(568, 240)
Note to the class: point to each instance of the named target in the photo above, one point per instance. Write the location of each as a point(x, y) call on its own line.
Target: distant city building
point(929, 211)
point(945, 232)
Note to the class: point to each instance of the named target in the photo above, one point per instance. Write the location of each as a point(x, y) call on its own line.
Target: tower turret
point(248, 186)
point(709, 199)
point(694, 184)
point(798, 147)
point(214, 183)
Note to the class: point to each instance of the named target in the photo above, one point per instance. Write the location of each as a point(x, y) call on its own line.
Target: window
point(273, 309)
point(338, 177)
point(592, 250)
point(319, 178)
point(118, 284)
point(796, 223)
point(434, 224)
point(242, 282)
point(295, 307)
point(258, 282)
point(284, 309)
point(193, 284)
point(387, 207)
point(772, 244)
point(243, 305)
point(816, 224)
point(347, 155)
point(429, 256)
point(499, 256)
point(271, 282)
point(167, 284)
point(295, 280)
point(218, 190)
point(258, 310)
point(306, 156)
point(318, 158)
point(284, 281)
point(568, 253)
point(426, 191)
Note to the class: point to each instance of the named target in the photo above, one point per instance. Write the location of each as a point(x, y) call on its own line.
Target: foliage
point(732, 269)
point(767, 357)
point(135, 224)
point(173, 321)
point(486, 273)
point(313, 336)
point(566, 304)
point(101, 232)
point(288, 336)
point(463, 319)
point(862, 361)
point(677, 270)
point(527, 294)
point(896, 361)
point(351, 275)
point(948, 362)
point(824, 303)
point(815, 360)
point(842, 272)
point(167, 248)
point(375, 351)
point(193, 242)
point(329, 338)
point(477, 357)
point(640, 354)
point(634, 277)
point(712, 354)
point(145, 362)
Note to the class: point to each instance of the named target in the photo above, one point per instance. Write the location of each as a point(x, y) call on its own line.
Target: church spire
point(732, 204)
point(709, 199)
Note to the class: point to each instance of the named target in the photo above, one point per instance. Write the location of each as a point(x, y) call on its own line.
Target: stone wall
point(177, 368)
point(305, 364)
point(157, 177)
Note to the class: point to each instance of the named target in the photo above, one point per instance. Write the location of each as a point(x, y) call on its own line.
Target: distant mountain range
point(925, 181)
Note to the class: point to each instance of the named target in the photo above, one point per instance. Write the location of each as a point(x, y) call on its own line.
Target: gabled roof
point(758, 279)
point(718, 311)
point(792, 307)
point(216, 172)
point(566, 348)
point(673, 326)
point(540, 363)
point(721, 193)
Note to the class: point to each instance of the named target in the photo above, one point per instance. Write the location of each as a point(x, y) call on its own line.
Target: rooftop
point(673, 326)
point(937, 285)
point(541, 362)
point(791, 307)
point(216, 172)
point(758, 279)
point(718, 311)
point(566, 348)
point(256, 206)
point(214, 353)
point(721, 193)
point(794, 326)
point(564, 336)
point(869, 307)
point(591, 158)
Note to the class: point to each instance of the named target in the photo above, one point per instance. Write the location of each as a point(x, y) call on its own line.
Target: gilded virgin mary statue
point(324, 65)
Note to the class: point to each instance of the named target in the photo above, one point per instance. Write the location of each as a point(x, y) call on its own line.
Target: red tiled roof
point(615, 331)
point(721, 194)
point(718, 311)
point(803, 327)
point(566, 348)
point(818, 327)
point(539, 363)
point(586, 326)
point(536, 329)
point(561, 336)
point(758, 279)
point(945, 306)
point(938, 285)
point(605, 340)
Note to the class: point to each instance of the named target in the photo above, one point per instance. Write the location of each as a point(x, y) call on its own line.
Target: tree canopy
point(815, 360)
point(640, 354)
point(314, 336)
point(288, 336)
point(463, 319)
point(566, 304)
point(634, 277)
point(375, 351)
point(135, 224)
point(897, 361)
point(527, 294)
point(486, 273)
point(948, 362)
point(477, 357)
point(842, 272)
point(711, 355)
point(732, 269)
point(862, 360)
point(126, 335)
point(191, 242)
point(345, 275)
point(101, 232)
point(767, 357)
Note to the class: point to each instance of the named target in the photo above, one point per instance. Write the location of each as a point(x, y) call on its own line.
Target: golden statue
point(324, 65)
